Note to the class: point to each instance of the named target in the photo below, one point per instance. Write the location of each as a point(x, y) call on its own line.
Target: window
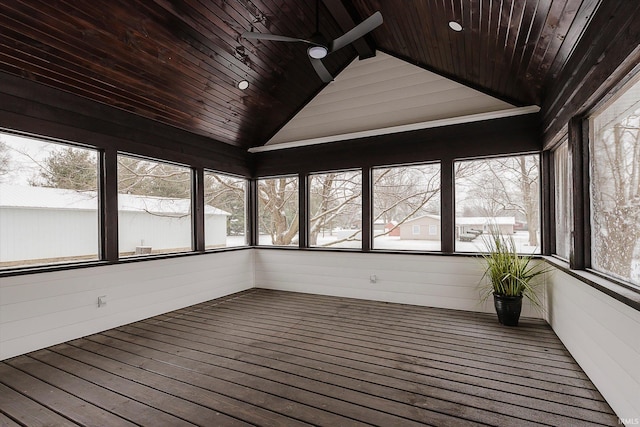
point(154, 207)
point(501, 194)
point(563, 199)
point(615, 186)
point(48, 202)
point(335, 215)
point(278, 211)
point(225, 209)
point(405, 198)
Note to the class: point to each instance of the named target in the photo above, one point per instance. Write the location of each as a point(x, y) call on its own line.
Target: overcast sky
point(24, 153)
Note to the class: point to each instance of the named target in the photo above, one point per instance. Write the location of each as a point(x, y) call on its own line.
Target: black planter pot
point(508, 309)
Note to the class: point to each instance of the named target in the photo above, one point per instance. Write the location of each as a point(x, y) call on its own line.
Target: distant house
point(426, 227)
point(505, 224)
point(392, 229)
point(44, 223)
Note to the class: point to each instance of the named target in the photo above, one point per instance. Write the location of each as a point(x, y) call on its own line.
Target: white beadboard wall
point(603, 335)
point(43, 309)
point(429, 280)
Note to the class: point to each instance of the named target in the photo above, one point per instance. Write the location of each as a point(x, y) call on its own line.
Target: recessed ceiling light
point(243, 84)
point(455, 26)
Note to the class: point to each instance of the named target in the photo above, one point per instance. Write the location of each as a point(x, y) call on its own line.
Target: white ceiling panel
point(383, 92)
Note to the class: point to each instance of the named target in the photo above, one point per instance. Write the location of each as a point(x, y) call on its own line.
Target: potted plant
point(509, 277)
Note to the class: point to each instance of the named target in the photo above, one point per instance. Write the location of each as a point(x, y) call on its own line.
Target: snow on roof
point(436, 217)
point(485, 220)
point(57, 198)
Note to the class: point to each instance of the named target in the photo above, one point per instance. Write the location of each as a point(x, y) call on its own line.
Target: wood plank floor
point(272, 358)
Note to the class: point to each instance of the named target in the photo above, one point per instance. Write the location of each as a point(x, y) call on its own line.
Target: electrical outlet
point(373, 278)
point(102, 301)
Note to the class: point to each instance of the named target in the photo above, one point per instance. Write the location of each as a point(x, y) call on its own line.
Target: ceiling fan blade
point(273, 37)
point(366, 26)
point(322, 71)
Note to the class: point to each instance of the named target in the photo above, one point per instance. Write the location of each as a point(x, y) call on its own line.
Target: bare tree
point(616, 196)
point(498, 187)
point(278, 199)
point(229, 194)
point(336, 201)
point(149, 178)
point(402, 193)
point(5, 160)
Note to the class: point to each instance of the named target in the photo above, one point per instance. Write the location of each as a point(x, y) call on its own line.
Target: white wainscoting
point(430, 280)
point(603, 335)
point(42, 309)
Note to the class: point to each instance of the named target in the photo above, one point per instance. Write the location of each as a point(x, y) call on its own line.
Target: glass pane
point(563, 199)
point(225, 210)
point(278, 211)
point(154, 207)
point(406, 207)
point(48, 202)
point(615, 187)
point(498, 194)
point(335, 216)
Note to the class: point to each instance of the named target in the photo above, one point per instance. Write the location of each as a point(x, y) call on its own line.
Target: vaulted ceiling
point(179, 61)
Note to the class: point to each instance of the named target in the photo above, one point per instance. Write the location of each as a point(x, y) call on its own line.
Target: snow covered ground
point(521, 239)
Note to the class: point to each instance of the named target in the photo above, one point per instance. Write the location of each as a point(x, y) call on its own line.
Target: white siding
point(430, 280)
point(42, 233)
point(165, 232)
point(603, 335)
point(38, 233)
point(42, 309)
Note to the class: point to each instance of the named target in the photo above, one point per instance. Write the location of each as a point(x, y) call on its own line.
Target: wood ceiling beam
point(364, 47)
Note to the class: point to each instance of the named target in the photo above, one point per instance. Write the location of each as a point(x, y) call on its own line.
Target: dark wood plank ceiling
point(178, 61)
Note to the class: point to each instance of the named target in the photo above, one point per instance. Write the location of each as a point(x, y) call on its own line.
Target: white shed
point(51, 224)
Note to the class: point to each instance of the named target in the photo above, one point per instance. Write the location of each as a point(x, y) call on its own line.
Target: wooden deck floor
point(280, 359)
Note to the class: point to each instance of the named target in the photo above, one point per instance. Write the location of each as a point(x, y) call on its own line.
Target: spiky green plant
point(509, 273)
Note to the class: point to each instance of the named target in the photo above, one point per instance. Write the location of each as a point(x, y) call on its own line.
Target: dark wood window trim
point(547, 203)
point(303, 209)
point(51, 268)
point(197, 207)
point(108, 186)
point(578, 258)
point(367, 209)
point(252, 212)
point(447, 206)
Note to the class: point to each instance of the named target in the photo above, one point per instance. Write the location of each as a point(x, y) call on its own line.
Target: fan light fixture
point(317, 52)
point(455, 26)
point(243, 84)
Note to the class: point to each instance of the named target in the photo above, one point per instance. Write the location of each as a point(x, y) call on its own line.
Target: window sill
point(623, 293)
point(49, 268)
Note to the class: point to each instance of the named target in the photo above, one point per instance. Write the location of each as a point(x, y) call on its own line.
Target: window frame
point(192, 210)
point(584, 141)
point(247, 210)
point(107, 225)
point(563, 143)
point(540, 195)
point(307, 207)
point(255, 227)
point(30, 264)
point(442, 205)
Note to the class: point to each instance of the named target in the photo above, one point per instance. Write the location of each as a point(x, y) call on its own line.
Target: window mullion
point(108, 176)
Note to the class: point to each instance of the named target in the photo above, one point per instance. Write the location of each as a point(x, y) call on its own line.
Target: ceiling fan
point(319, 47)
